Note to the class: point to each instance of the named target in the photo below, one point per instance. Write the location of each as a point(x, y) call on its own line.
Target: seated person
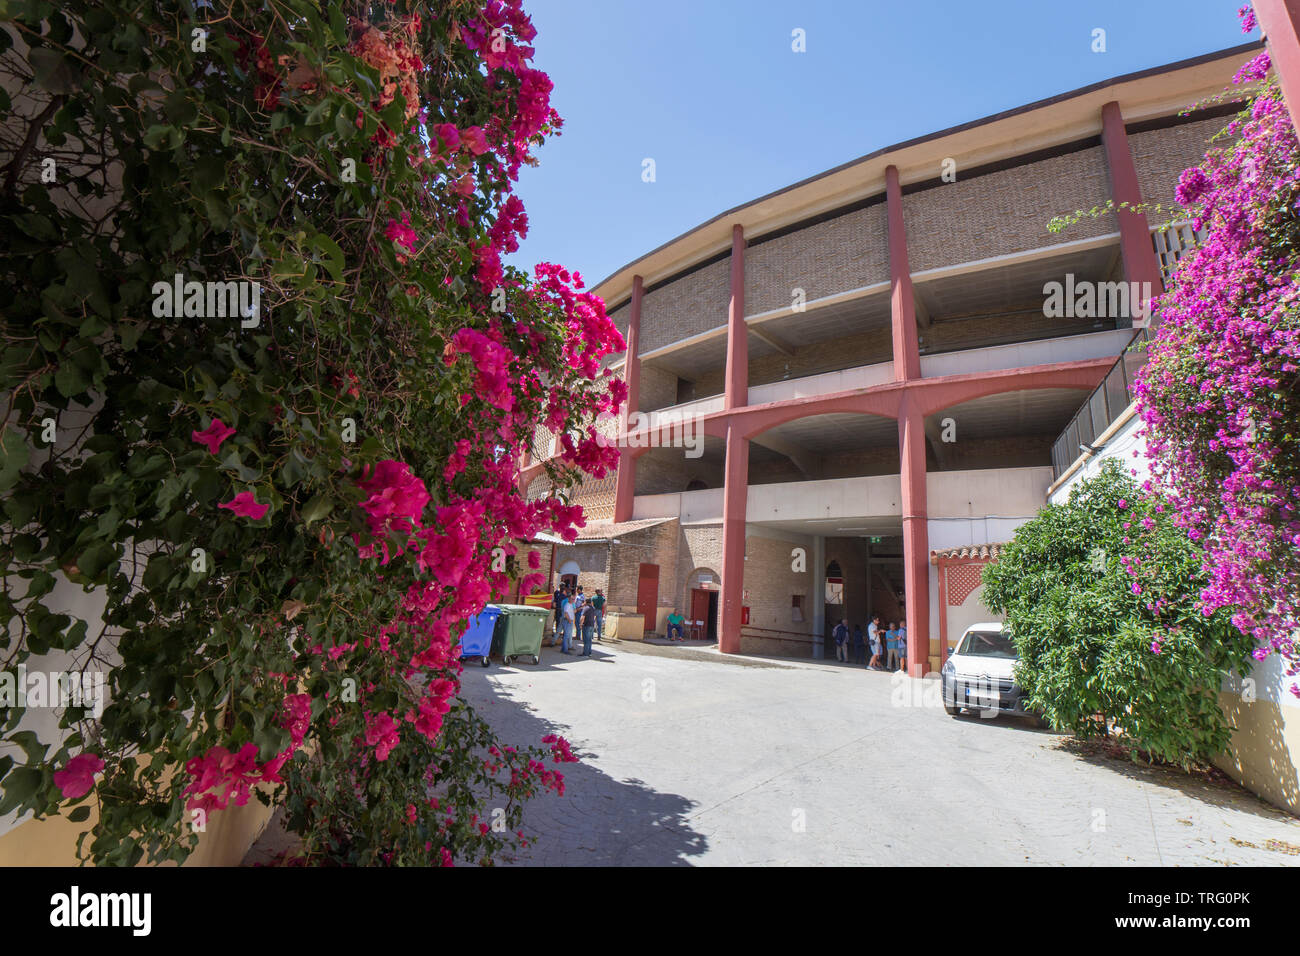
point(678, 624)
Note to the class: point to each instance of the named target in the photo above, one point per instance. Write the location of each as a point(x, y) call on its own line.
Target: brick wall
point(657, 544)
point(848, 351)
point(711, 383)
point(1005, 212)
point(699, 547)
point(694, 303)
point(1160, 157)
point(950, 335)
point(770, 585)
point(658, 388)
point(670, 471)
point(1019, 451)
point(852, 463)
point(847, 252)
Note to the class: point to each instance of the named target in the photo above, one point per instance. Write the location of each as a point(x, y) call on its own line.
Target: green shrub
point(1101, 595)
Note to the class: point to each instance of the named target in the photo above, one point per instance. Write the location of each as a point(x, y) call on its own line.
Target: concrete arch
point(934, 395)
point(755, 419)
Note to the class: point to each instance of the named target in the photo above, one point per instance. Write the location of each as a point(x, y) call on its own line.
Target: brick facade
point(770, 586)
point(1161, 156)
point(687, 306)
point(848, 252)
point(1007, 211)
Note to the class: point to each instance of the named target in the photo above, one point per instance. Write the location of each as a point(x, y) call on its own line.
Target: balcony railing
point(1103, 407)
point(1172, 243)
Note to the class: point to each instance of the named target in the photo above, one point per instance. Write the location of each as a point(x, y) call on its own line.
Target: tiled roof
point(971, 552)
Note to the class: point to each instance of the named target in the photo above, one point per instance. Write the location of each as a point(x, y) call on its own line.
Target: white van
point(979, 675)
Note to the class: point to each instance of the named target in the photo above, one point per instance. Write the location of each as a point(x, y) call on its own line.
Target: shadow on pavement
point(1212, 787)
point(600, 821)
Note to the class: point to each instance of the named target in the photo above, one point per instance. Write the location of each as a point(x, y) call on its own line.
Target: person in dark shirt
point(589, 616)
point(557, 606)
point(859, 645)
point(841, 635)
point(598, 602)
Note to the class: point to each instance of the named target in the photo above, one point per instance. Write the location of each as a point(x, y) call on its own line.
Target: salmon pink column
point(907, 359)
point(625, 483)
point(1279, 21)
point(737, 337)
point(1140, 262)
point(911, 437)
point(736, 494)
point(916, 536)
point(733, 542)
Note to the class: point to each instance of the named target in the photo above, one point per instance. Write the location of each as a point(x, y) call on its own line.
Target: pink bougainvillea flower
point(382, 733)
point(245, 505)
point(397, 497)
point(401, 233)
point(78, 777)
point(213, 435)
point(474, 140)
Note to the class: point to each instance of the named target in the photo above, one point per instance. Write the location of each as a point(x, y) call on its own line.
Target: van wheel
point(951, 711)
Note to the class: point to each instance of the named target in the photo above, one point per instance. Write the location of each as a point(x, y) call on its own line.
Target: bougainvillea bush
point(1102, 598)
point(1220, 394)
point(268, 382)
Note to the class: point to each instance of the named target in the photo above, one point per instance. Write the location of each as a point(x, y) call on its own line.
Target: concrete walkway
point(692, 758)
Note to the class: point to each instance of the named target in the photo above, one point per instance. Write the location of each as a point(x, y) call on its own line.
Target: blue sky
point(711, 90)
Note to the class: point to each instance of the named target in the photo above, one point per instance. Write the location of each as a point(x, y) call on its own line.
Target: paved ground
point(689, 758)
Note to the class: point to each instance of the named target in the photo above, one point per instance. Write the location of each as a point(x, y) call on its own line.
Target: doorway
point(647, 595)
point(704, 607)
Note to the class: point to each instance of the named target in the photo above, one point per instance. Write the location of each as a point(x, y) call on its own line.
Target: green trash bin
point(519, 631)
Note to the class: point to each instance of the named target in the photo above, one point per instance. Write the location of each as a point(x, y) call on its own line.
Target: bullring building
point(845, 396)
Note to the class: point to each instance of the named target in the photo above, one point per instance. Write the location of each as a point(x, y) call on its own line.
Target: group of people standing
point(577, 613)
point(888, 645)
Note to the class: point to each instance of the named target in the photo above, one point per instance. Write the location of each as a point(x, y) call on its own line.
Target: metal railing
point(1106, 403)
point(1115, 393)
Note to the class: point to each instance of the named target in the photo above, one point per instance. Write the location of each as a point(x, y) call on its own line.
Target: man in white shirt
point(568, 625)
point(873, 639)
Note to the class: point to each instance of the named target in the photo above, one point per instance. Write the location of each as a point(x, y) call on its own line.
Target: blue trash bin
point(477, 639)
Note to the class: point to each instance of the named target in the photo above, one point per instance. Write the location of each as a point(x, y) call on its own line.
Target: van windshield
point(988, 644)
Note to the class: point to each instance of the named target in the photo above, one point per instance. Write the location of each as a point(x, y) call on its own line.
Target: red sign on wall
point(744, 614)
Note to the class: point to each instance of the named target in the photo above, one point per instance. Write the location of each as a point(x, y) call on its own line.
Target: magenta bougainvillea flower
point(1218, 392)
point(397, 497)
point(213, 435)
point(78, 777)
point(245, 505)
point(401, 232)
point(382, 733)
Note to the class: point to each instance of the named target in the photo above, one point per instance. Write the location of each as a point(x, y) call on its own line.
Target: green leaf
point(70, 379)
point(334, 255)
point(79, 815)
point(31, 744)
point(96, 559)
point(179, 108)
point(14, 456)
point(317, 508)
point(52, 70)
point(158, 137)
point(19, 786)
